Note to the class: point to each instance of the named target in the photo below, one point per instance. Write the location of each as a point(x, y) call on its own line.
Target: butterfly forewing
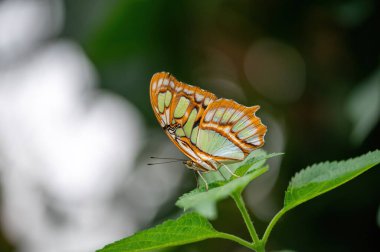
point(179, 108)
point(206, 129)
point(174, 102)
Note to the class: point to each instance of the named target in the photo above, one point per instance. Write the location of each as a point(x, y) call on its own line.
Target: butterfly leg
point(204, 180)
point(221, 173)
point(196, 178)
point(228, 169)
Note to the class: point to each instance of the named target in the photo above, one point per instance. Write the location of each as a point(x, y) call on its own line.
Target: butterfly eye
point(171, 130)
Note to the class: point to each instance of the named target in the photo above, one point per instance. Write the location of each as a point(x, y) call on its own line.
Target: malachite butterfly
point(210, 131)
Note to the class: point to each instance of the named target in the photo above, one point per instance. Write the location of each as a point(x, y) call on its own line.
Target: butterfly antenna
point(166, 162)
point(178, 159)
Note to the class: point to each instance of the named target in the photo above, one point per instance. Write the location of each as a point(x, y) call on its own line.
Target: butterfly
point(210, 131)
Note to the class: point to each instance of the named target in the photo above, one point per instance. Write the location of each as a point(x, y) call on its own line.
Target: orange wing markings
point(233, 119)
point(205, 157)
point(199, 98)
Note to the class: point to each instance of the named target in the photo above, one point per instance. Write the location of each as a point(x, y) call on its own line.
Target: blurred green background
point(312, 66)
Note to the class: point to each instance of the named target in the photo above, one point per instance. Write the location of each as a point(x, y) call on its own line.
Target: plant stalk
point(271, 225)
point(247, 219)
point(236, 239)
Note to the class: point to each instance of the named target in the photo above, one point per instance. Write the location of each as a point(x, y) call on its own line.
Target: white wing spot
point(163, 120)
point(236, 116)
point(154, 86)
point(247, 132)
point(241, 124)
point(172, 84)
point(206, 101)
point(165, 82)
point(255, 140)
point(160, 83)
point(178, 89)
point(209, 115)
point(199, 97)
point(218, 115)
point(188, 92)
point(227, 115)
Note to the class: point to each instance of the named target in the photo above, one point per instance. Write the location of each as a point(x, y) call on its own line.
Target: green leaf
point(189, 228)
point(205, 202)
point(198, 197)
point(323, 177)
point(253, 161)
point(208, 210)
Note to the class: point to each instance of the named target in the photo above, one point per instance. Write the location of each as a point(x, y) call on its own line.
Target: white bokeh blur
point(67, 149)
point(25, 24)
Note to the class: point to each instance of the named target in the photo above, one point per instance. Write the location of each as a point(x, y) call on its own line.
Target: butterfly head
point(171, 128)
point(190, 164)
point(199, 166)
point(193, 165)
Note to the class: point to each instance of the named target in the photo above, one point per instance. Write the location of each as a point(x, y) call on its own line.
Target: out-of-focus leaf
point(352, 13)
point(254, 163)
point(208, 210)
point(363, 108)
point(323, 177)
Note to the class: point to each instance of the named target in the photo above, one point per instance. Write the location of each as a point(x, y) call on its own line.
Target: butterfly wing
point(206, 129)
point(229, 131)
point(179, 108)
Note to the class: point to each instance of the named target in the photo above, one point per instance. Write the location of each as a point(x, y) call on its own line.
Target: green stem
point(271, 225)
point(247, 219)
point(236, 239)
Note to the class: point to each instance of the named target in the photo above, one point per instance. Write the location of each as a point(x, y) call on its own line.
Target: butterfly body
point(208, 130)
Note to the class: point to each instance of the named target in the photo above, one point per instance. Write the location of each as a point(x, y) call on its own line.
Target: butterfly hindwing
point(230, 131)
